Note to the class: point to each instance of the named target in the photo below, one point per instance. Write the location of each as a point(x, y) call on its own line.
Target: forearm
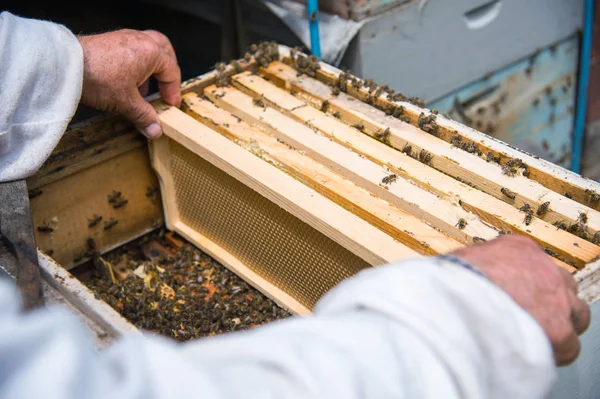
point(417, 329)
point(41, 72)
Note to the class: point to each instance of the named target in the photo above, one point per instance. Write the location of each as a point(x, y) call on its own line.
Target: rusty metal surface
point(529, 104)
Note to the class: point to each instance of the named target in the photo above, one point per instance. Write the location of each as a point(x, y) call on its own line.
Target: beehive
point(296, 175)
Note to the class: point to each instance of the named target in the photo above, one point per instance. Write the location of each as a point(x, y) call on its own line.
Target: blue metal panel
point(529, 104)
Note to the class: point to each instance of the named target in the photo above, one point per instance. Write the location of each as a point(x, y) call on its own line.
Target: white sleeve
point(421, 329)
point(41, 74)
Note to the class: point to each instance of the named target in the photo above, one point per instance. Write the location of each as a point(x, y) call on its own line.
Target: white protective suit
point(423, 328)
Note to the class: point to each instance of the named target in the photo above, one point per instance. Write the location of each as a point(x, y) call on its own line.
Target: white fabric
point(41, 73)
point(421, 329)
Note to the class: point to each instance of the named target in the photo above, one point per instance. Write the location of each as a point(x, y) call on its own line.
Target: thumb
point(143, 116)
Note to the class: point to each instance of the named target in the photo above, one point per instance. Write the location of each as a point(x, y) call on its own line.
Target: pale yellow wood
point(235, 265)
point(402, 226)
point(490, 209)
point(452, 161)
point(548, 174)
point(438, 212)
point(161, 162)
point(343, 227)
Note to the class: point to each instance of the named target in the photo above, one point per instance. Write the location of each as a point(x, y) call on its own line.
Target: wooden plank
point(546, 173)
point(348, 230)
point(438, 212)
point(402, 226)
point(485, 176)
point(490, 209)
point(162, 166)
point(69, 206)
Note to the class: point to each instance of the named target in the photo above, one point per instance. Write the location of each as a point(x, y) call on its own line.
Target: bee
point(456, 140)
point(461, 224)
point(247, 57)
point(478, 240)
point(110, 223)
point(356, 83)
point(360, 126)
point(560, 225)
point(49, 252)
point(407, 149)
point(94, 220)
point(596, 238)
point(508, 170)
point(568, 195)
point(508, 193)
point(151, 191)
point(594, 196)
point(491, 158)
point(389, 179)
point(220, 66)
point(45, 228)
point(120, 203)
point(526, 208)
point(335, 91)
point(471, 148)
point(336, 114)
point(114, 197)
point(258, 102)
point(575, 228)
point(550, 252)
point(425, 157)
point(236, 65)
point(526, 171)
point(36, 192)
point(325, 106)
point(582, 218)
point(543, 209)
point(527, 219)
point(383, 136)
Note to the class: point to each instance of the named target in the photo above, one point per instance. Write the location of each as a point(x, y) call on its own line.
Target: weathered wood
point(71, 206)
point(546, 173)
point(452, 161)
point(438, 212)
point(490, 209)
point(404, 227)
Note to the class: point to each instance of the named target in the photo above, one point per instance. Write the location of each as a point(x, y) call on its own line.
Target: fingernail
point(152, 131)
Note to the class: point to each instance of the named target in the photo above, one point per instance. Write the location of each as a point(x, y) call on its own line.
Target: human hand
point(545, 291)
point(116, 68)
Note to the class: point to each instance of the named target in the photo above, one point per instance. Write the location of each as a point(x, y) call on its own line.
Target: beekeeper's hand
point(549, 293)
point(117, 66)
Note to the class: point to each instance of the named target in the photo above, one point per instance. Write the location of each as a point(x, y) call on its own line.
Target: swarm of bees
point(187, 296)
point(305, 65)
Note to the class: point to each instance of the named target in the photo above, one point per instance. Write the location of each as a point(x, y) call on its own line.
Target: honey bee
point(582, 218)
point(560, 225)
point(543, 209)
point(109, 224)
point(462, 223)
point(425, 157)
point(45, 228)
point(550, 252)
point(236, 65)
point(360, 126)
point(568, 195)
point(407, 149)
point(527, 219)
point(258, 102)
point(526, 208)
point(596, 238)
point(325, 106)
point(508, 193)
point(120, 203)
point(336, 114)
point(594, 196)
point(478, 240)
point(526, 171)
point(383, 136)
point(508, 170)
point(247, 57)
point(491, 158)
point(94, 220)
point(456, 140)
point(389, 179)
point(335, 91)
point(112, 198)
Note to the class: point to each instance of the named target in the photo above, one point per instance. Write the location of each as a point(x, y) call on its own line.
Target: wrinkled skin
point(548, 293)
point(117, 66)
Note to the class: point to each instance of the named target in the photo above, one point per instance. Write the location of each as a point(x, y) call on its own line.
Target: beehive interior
point(269, 240)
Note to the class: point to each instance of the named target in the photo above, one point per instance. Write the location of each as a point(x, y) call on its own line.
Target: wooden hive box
point(296, 175)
